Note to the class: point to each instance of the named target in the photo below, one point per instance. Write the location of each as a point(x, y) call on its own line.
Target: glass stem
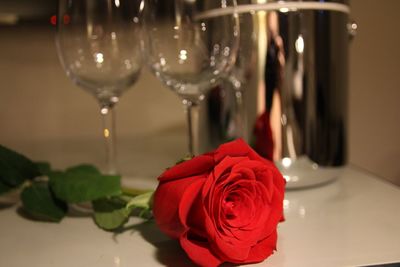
point(192, 117)
point(108, 116)
point(241, 118)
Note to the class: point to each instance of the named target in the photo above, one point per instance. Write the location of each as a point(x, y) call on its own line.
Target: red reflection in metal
point(53, 20)
point(66, 19)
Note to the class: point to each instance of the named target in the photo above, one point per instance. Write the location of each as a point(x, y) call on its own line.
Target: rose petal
point(246, 173)
point(280, 184)
point(277, 202)
point(186, 204)
point(216, 211)
point(229, 251)
point(237, 148)
point(239, 211)
point(276, 213)
point(216, 175)
point(279, 181)
point(197, 165)
point(226, 164)
point(266, 178)
point(261, 250)
point(167, 197)
point(208, 192)
point(199, 252)
point(209, 226)
point(250, 226)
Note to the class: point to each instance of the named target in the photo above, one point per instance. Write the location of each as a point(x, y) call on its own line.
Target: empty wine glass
point(99, 45)
point(244, 69)
point(189, 47)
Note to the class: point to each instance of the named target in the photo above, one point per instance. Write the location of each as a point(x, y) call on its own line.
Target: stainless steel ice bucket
point(293, 68)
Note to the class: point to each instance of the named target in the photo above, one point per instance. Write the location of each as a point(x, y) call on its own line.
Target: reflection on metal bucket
point(292, 73)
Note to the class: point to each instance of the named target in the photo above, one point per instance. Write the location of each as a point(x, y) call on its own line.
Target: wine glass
point(190, 46)
point(245, 67)
point(99, 45)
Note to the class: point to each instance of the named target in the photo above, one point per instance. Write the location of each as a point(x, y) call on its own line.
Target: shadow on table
point(169, 252)
point(6, 205)
point(8, 200)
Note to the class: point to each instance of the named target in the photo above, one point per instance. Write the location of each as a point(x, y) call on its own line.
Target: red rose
point(223, 206)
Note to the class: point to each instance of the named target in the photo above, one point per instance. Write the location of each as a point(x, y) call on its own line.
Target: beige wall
point(375, 88)
point(45, 116)
point(40, 110)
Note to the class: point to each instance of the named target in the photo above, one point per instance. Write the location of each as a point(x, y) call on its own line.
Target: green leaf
point(83, 169)
point(111, 213)
point(143, 201)
point(186, 158)
point(43, 167)
point(39, 202)
point(82, 184)
point(15, 168)
point(133, 192)
point(4, 188)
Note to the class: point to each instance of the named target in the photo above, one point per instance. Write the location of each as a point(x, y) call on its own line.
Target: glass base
point(303, 172)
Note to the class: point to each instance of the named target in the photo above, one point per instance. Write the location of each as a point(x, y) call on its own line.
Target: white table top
point(353, 221)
